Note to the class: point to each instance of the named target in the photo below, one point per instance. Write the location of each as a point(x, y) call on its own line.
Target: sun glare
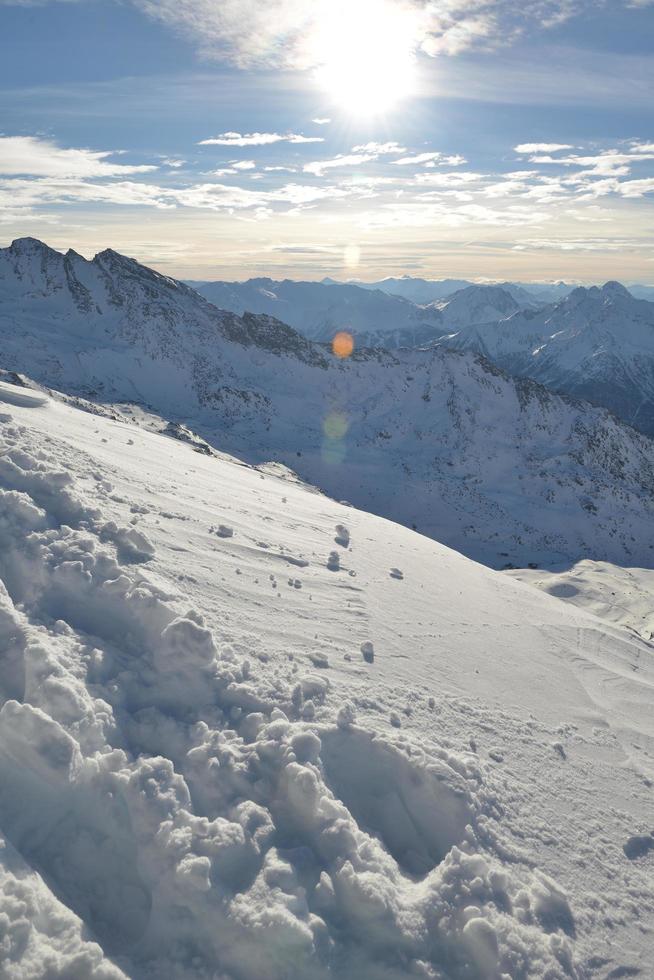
point(366, 53)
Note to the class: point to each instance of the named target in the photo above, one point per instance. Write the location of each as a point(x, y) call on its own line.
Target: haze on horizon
point(387, 137)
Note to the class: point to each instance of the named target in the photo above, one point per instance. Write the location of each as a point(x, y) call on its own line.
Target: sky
point(225, 139)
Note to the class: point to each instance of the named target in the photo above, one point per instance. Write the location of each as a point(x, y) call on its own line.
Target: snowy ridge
point(319, 310)
point(499, 469)
point(271, 802)
point(596, 344)
point(376, 317)
point(477, 304)
point(424, 291)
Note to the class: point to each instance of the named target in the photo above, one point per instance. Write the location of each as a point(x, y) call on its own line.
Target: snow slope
point(622, 596)
point(249, 733)
point(596, 344)
point(501, 470)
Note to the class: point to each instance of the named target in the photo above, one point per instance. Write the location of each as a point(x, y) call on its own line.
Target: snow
point(424, 291)
point(502, 470)
point(619, 595)
point(478, 304)
point(596, 343)
point(320, 310)
point(203, 776)
point(392, 314)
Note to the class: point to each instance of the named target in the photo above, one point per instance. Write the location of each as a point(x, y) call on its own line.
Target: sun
point(365, 50)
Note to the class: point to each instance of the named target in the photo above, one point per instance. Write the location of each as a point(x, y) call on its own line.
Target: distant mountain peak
point(30, 246)
point(614, 288)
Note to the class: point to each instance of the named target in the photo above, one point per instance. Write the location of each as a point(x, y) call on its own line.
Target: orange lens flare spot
point(343, 344)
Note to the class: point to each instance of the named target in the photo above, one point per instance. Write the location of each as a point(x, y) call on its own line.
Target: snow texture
point(184, 794)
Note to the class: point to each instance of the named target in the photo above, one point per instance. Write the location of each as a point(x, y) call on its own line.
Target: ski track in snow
point(208, 770)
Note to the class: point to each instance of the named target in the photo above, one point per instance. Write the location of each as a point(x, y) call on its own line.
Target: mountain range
point(595, 343)
point(501, 469)
point(423, 291)
point(319, 310)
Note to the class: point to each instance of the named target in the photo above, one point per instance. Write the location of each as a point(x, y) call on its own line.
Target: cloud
point(305, 249)
point(430, 159)
point(614, 163)
point(258, 139)
point(27, 194)
point(318, 167)
point(541, 147)
point(287, 33)
point(30, 155)
point(321, 121)
point(371, 152)
point(380, 149)
point(581, 244)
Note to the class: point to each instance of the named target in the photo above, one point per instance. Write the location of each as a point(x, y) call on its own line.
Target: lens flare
point(336, 425)
point(343, 344)
point(334, 447)
point(351, 256)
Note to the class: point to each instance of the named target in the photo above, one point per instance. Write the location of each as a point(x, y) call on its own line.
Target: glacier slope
point(251, 733)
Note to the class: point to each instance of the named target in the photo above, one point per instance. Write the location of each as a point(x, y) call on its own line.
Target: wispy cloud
point(430, 159)
point(258, 139)
point(36, 157)
point(285, 33)
point(318, 167)
point(380, 149)
point(523, 148)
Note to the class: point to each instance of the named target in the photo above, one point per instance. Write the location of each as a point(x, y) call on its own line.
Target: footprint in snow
point(224, 532)
point(342, 536)
point(396, 573)
point(368, 652)
point(638, 846)
point(334, 562)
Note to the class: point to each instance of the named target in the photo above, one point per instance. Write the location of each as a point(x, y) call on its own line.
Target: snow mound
point(160, 794)
point(25, 397)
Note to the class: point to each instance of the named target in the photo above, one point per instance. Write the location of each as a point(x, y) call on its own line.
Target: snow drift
point(196, 783)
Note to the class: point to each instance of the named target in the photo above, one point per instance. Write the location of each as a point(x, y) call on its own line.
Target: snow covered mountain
point(499, 469)
point(477, 304)
point(248, 733)
point(419, 291)
point(320, 310)
point(425, 291)
point(596, 344)
point(375, 317)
